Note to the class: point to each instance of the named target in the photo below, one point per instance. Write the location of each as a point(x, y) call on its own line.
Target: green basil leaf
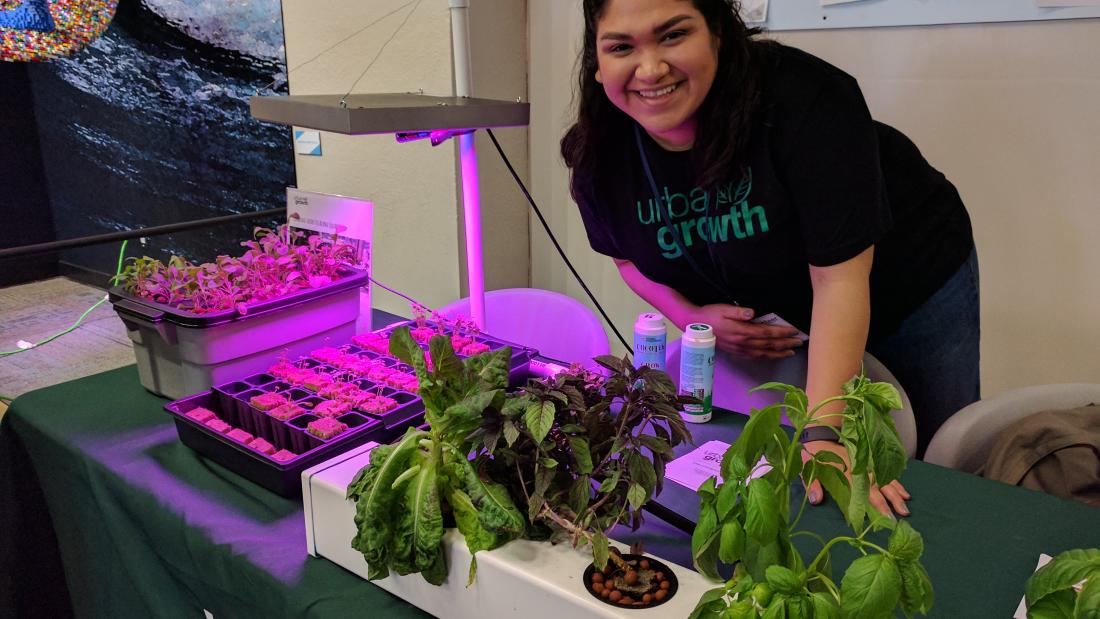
point(905, 543)
point(871, 587)
point(1088, 600)
point(704, 543)
point(883, 396)
point(711, 605)
point(549, 463)
point(1063, 571)
point(580, 493)
point(1056, 605)
point(783, 580)
point(732, 542)
point(761, 511)
point(858, 503)
point(916, 589)
point(511, 432)
point(761, 426)
point(636, 496)
point(582, 454)
point(609, 483)
point(539, 419)
point(887, 453)
point(599, 549)
point(726, 500)
point(825, 607)
point(641, 471)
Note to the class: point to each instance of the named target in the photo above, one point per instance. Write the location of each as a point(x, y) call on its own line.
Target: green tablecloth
point(94, 479)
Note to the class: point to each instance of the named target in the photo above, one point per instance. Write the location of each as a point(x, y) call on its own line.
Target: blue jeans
point(934, 352)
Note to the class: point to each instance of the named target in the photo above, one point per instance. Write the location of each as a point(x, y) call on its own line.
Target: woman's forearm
point(838, 332)
point(672, 304)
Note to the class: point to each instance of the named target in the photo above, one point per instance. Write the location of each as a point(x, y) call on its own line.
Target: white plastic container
point(697, 370)
point(650, 340)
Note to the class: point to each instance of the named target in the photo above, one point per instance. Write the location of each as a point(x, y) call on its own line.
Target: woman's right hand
point(737, 336)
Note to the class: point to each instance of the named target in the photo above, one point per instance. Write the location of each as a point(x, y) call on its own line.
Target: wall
point(1007, 111)
point(418, 245)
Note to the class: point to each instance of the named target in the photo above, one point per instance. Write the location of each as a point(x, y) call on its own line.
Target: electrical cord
point(554, 240)
point(76, 324)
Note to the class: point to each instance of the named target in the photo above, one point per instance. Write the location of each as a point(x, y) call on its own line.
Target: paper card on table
point(692, 469)
point(828, 2)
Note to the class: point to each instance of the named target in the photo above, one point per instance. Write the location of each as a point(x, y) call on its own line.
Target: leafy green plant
point(560, 459)
point(585, 452)
point(747, 521)
point(402, 496)
point(276, 263)
point(1067, 587)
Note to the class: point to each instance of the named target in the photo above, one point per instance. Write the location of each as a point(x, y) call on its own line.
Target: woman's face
point(657, 60)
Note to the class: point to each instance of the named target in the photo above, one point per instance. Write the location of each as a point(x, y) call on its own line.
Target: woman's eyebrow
point(619, 36)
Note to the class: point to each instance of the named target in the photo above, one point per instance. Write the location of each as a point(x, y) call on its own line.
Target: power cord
point(25, 346)
point(554, 240)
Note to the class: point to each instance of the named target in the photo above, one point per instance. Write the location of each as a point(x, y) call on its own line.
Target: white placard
point(1048, 3)
point(307, 142)
point(692, 469)
point(350, 219)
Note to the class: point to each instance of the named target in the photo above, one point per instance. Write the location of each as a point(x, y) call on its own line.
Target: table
point(101, 504)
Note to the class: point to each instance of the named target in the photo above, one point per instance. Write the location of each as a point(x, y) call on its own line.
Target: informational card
point(1054, 3)
point(691, 470)
point(350, 219)
point(828, 2)
point(307, 142)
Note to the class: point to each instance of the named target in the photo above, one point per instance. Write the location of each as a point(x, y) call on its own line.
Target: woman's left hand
point(888, 499)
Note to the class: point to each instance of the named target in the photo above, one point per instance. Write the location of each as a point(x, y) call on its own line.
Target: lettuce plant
point(750, 525)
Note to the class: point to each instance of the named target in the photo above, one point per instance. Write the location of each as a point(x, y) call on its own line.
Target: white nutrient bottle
point(650, 335)
point(697, 370)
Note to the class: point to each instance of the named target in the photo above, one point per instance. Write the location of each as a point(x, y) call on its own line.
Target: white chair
point(558, 326)
point(966, 439)
point(734, 376)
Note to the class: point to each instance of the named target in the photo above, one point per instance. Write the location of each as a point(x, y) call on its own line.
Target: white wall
point(418, 245)
point(1007, 111)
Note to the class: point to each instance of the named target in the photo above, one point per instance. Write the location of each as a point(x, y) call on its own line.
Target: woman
point(733, 179)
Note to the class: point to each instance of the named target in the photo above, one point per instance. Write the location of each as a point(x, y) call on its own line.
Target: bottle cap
point(650, 323)
point(699, 333)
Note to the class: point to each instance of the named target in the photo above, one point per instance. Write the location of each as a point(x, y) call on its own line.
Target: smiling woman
point(743, 184)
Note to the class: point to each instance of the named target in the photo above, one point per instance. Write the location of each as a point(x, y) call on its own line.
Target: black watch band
point(819, 433)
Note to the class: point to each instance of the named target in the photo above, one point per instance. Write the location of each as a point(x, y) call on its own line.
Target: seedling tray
point(232, 403)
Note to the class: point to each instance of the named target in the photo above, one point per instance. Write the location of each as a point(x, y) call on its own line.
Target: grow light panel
point(361, 114)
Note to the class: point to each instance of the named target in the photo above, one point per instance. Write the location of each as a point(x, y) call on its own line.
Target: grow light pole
point(467, 154)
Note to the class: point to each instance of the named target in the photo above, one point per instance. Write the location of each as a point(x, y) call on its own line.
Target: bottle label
point(697, 378)
point(649, 351)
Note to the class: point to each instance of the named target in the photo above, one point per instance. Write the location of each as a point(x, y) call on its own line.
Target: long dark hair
point(725, 112)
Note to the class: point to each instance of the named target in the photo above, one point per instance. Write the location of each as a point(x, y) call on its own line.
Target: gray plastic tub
point(180, 353)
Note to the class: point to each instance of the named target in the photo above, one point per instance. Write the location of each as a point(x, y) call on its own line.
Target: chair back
point(735, 376)
point(557, 325)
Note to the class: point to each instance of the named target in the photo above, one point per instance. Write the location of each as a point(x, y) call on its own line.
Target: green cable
point(76, 324)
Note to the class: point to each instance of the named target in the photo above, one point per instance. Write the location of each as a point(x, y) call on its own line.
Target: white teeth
point(657, 93)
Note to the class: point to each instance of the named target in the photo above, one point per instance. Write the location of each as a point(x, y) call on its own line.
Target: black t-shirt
point(823, 182)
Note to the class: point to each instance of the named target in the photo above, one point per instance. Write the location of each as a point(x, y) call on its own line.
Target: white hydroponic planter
point(533, 580)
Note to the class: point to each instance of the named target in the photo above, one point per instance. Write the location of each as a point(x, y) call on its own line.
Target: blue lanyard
point(671, 226)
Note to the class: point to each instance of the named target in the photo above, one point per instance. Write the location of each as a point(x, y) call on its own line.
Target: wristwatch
point(819, 433)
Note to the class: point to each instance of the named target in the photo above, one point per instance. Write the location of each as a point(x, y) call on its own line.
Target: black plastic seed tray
point(244, 456)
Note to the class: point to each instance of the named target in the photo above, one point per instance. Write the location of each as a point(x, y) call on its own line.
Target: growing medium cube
point(326, 354)
point(378, 405)
point(218, 425)
point(267, 401)
point(286, 412)
point(262, 446)
point(460, 341)
point(474, 348)
point(379, 373)
point(331, 408)
point(363, 339)
point(283, 455)
point(316, 381)
point(326, 427)
point(422, 334)
point(201, 415)
point(240, 436)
